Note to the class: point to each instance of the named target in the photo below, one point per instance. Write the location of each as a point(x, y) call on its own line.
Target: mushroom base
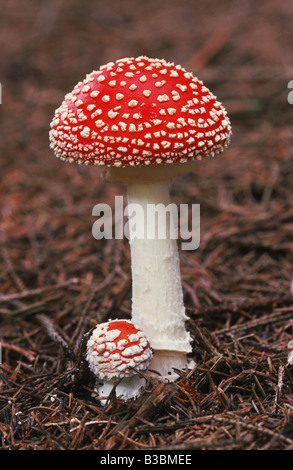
point(166, 362)
point(126, 389)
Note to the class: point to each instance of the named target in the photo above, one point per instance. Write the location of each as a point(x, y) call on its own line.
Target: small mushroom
point(116, 352)
point(145, 121)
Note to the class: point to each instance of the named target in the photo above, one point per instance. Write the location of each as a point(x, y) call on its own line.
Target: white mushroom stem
point(157, 297)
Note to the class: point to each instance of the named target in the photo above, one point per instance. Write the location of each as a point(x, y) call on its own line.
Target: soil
point(57, 281)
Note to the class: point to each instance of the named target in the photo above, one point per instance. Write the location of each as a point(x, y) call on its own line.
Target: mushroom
point(145, 121)
point(116, 352)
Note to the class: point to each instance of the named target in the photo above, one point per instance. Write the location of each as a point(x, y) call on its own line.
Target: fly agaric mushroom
point(145, 121)
point(116, 352)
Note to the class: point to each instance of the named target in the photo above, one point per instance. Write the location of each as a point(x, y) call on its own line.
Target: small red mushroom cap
point(139, 111)
point(116, 348)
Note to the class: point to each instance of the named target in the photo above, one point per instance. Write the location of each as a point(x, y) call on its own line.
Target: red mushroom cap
point(139, 111)
point(115, 348)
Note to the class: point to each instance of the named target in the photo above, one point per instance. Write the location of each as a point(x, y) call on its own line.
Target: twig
point(55, 336)
point(250, 305)
point(21, 351)
point(265, 320)
point(78, 433)
point(279, 387)
point(18, 281)
point(257, 428)
point(38, 291)
point(215, 43)
point(162, 393)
